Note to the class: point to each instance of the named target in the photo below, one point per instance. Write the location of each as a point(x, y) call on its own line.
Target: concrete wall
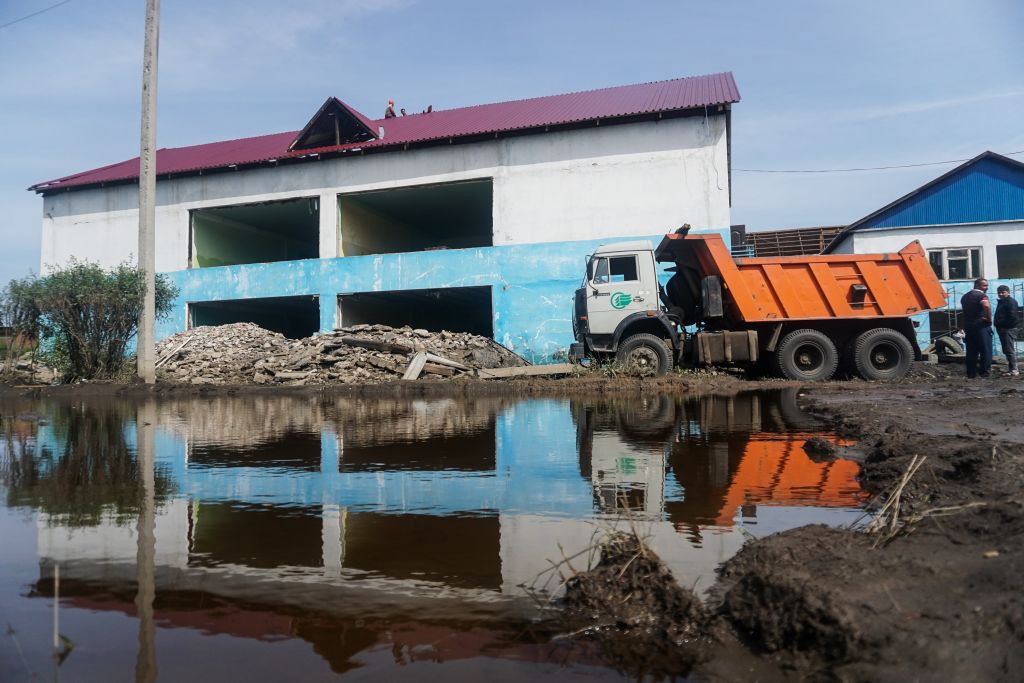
point(985, 235)
point(634, 179)
point(532, 286)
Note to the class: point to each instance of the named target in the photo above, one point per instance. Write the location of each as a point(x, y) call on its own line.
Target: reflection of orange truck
point(802, 314)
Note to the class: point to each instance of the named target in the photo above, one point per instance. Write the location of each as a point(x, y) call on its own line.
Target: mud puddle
point(270, 537)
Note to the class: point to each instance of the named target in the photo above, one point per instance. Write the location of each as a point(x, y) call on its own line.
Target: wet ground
point(301, 536)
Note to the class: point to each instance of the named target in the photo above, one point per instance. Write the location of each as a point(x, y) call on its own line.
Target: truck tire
point(806, 355)
point(882, 353)
point(947, 346)
point(643, 354)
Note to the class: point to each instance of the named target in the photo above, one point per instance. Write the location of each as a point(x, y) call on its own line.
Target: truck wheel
point(882, 353)
point(807, 355)
point(947, 346)
point(644, 354)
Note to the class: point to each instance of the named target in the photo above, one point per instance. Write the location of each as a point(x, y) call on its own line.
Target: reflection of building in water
point(411, 510)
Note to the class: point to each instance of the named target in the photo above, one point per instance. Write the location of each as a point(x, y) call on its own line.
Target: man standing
point(1005, 321)
point(977, 313)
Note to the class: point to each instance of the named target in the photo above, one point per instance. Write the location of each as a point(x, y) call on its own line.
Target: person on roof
point(389, 113)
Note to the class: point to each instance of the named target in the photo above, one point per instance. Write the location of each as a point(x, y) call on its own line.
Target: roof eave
point(379, 146)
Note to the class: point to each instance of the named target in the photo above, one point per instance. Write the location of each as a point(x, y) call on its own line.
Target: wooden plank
point(435, 369)
point(386, 347)
point(441, 360)
point(527, 371)
point(171, 354)
point(415, 366)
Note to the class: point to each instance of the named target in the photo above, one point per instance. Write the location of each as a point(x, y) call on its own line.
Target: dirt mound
point(631, 603)
point(243, 353)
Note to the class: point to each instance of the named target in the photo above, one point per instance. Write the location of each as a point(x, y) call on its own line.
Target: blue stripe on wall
point(531, 286)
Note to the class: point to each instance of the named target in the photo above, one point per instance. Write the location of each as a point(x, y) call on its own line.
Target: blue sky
point(824, 84)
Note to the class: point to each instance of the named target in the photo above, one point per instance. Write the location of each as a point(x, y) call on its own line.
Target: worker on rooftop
point(389, 113)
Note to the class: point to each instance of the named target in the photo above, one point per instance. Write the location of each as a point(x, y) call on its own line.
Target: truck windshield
point(615, 269)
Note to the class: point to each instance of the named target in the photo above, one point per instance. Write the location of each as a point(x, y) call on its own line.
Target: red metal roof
point(606, 103)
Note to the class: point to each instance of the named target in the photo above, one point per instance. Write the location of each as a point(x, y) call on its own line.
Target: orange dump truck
point(801, 316)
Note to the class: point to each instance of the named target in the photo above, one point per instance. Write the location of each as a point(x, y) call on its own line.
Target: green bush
point(86, 315)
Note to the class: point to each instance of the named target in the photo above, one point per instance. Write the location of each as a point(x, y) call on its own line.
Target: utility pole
point(147, 196)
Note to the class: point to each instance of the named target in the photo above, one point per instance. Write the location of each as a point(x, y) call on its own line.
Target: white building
point(474, 219)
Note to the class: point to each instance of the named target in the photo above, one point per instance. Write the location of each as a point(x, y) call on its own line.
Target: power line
point(35, 14)
point(867, 168)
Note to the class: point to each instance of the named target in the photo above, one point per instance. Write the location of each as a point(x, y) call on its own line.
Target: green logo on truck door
point(621, 300)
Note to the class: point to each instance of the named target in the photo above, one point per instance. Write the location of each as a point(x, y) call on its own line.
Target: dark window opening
point(945, 322)
point(456, 551)
point(263, 537)
point(456, 309)
point(472, 450)
point(255, 233)
point(1010, 260)
point(449, 216)
point(294, 316)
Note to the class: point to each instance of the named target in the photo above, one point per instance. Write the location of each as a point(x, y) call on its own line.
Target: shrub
point(86, 314)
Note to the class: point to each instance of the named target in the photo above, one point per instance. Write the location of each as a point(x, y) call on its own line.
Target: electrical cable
point(35, 14)
point(868, 168)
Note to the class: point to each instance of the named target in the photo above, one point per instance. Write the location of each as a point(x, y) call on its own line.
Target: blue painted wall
point(956, 289)
point(531, 286)
point(986, 191)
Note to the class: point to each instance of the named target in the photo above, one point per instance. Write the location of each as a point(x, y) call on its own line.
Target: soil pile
point(631, 604)
point(243, 353)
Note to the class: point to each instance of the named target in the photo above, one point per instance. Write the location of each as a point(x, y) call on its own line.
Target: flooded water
point(267, 538)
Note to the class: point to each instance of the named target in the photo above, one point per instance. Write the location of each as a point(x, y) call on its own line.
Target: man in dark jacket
point(1005, 320)
point(978, 326)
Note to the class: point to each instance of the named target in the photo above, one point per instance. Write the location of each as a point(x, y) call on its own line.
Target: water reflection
point(387, 532)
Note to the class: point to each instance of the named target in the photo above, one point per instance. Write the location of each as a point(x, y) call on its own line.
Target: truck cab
point(620, 300)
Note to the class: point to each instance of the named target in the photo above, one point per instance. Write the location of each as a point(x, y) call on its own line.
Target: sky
point(825, 84)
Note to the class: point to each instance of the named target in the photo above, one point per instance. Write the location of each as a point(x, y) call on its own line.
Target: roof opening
point(334, 124)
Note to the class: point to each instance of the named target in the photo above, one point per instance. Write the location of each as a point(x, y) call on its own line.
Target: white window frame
point(945, 262)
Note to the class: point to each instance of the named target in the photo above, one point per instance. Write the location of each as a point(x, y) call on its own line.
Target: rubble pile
point(244, 353)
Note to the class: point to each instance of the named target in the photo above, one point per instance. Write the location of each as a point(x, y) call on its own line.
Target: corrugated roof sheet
point(988, 188)
point(607, 103)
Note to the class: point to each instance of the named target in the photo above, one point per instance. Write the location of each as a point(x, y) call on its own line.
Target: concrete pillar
point(333, 539)
point(329, 311)
point(330, 237)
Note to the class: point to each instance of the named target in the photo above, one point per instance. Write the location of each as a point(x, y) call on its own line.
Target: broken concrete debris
point(243, 353)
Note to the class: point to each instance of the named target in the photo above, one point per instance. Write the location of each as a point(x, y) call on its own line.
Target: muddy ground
point(937, 596)
point(940, 599)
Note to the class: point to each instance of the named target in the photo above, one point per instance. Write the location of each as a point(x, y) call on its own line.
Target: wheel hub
point(644, 360)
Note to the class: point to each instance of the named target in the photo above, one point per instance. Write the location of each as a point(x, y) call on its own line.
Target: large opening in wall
point(448, 216)
point(456, 309)
point(255, 233)
point(293, 316)
point(945, 322)
point(1010, 260)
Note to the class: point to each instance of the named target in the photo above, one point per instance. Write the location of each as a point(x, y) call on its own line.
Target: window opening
point(1010, 260)
point(957, 263)
point(421, 218)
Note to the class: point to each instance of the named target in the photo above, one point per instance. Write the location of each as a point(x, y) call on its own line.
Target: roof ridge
point(575, 92)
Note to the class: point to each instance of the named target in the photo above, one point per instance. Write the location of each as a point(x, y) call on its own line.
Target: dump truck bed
point(772, 289)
